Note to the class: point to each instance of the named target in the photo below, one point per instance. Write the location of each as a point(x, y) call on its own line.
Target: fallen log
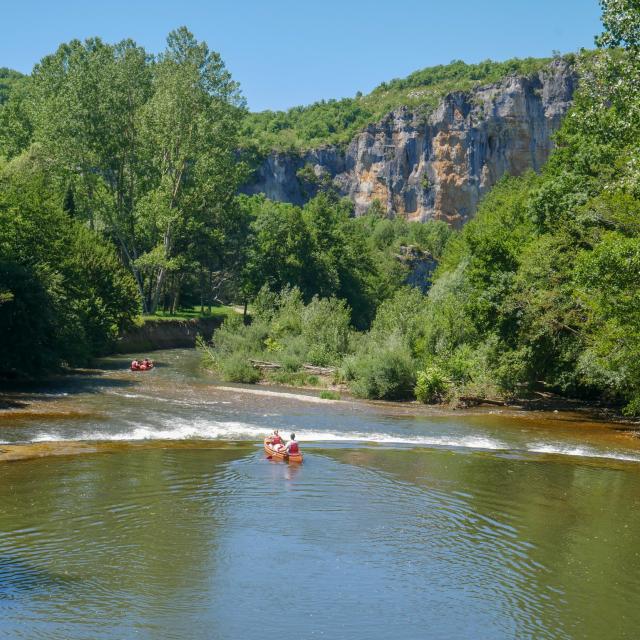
point(309, 368)
point(477, 400)
point(261, 364)
point(322, 371)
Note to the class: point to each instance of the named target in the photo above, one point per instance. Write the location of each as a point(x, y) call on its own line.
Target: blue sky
point(286, 52)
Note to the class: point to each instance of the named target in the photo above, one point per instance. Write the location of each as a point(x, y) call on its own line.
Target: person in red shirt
point(276, 440)
point(292, 446)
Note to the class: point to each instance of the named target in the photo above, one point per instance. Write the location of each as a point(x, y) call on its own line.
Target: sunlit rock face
point(440, 166)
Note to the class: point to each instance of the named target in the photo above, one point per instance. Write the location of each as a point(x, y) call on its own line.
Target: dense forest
point(539, 292)
point(119, 177)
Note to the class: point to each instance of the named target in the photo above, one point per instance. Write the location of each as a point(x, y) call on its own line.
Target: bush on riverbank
point(386, 373)
point(431, 386)
point(284, 332)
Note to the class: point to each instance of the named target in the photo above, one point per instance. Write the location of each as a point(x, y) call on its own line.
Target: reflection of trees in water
point(136, 525)
point(564, 531)
point(18, 575)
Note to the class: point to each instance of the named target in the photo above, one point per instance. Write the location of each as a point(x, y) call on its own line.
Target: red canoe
point(281, 455)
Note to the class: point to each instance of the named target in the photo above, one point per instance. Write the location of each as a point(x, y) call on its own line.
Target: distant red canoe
point(281, 455)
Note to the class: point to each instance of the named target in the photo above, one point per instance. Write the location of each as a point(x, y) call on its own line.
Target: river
point(167, 521)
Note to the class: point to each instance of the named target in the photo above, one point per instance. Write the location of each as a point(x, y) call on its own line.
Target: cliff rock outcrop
point(438, 166)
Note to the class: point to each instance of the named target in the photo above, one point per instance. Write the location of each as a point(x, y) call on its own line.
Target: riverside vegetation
point(135, 157)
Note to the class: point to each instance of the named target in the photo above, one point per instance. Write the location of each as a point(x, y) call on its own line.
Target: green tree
point(64, 295)
point(189, 138)
point(147, 146)
point(281, 250)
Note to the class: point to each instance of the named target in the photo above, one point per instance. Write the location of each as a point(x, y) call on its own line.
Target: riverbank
point(37, 399)
point(541, 402)
point(172, 331)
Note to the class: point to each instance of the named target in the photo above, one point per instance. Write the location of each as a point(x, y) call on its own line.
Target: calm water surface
point(396, 526)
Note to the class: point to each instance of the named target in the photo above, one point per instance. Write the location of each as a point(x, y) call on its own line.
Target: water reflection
point(395, 526)
point(212, 543)
point(558, 537)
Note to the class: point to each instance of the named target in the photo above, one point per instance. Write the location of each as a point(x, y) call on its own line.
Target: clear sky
point(290, 52)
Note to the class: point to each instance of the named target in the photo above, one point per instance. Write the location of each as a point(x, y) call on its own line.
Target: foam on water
point(187, 403)
point(580, 452)
point(232, 430)
point(280, 394)
point(207, 429)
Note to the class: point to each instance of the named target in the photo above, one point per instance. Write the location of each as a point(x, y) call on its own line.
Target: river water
point(400, 524)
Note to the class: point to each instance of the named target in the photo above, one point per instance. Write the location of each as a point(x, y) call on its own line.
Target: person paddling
point(292, 446)
point(276, 440)
point(135, 365)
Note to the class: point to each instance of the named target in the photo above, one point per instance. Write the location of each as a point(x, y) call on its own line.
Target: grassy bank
point(189, 313)
point(173, 330)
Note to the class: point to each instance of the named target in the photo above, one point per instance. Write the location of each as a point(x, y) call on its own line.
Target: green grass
point(292, 379)
point(190, 313)
point(329, 395)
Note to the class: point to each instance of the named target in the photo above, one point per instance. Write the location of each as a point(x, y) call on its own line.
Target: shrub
point(271, 345)
point(383, 374)
point(329, 395)
point(236, 368)
point(294, 379)
point(325, 329)
point(233, 337)
point(513, 369)
point(291, 363)
point(320, 355)
point(265, 303)
point(402, 316)
point(288, 317)
point(632, 409)
point(432, 386)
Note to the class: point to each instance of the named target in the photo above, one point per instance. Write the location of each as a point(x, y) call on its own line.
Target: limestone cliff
point(436, 166)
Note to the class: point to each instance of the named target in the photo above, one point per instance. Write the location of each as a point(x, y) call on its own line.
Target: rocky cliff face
point(436, 167)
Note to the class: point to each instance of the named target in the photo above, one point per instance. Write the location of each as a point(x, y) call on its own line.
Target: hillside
point(335, 122)
point(432, 160)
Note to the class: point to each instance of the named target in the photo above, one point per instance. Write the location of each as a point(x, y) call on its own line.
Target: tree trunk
point(210, 289)
point(176, 300)
point(163, 271)
point(155, 295)
point(201, 291)
point(140, 284)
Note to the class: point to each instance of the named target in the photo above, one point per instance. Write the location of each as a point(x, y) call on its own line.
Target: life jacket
point(293, 447)
point(143, 367)
point(135, 365)
point(276, 440)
